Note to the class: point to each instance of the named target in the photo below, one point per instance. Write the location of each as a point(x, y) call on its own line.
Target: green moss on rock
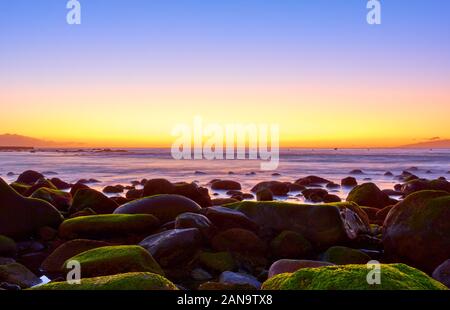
point(125, 281)
point(353, 277)
point(110, 225)
point(61, 200)
point(110, 260)
point(369, 195)
point(219, 262)
point(341, 255)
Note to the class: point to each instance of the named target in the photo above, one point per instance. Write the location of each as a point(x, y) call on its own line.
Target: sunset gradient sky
point(134, 69)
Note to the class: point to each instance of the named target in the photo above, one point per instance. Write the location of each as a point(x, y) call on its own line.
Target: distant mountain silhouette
point(435, 144)
point(24, 141)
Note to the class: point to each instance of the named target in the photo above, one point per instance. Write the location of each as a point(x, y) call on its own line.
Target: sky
point(134, 69)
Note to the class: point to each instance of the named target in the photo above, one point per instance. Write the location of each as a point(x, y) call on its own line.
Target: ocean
point(116, 166)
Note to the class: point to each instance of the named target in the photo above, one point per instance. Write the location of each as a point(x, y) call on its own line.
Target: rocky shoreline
point(159, 235)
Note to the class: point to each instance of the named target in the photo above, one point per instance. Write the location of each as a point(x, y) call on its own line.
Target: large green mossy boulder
point(125, 281)
point(417, 230)
point(108, 226)
point(323, 225)
point(110, 260)
point(20, 216)
point(353, 277)
point(369, 195)
point(341, 255)
point(90, 198)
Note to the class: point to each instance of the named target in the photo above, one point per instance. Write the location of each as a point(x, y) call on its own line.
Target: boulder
point(92, 199)
point(113, 189)
point(290, 244)
point(225, 185)
point(323, 225)
point(226, 218)
point(53, 264)
point(421, 184)
point(60, 184)
point(217, 262)
point(369, 195)
point(349, 182)
point(417, 230)
point(223, 201)
point(125, 281)
point(8, 247)
point(340, 255)
point(312, 180)
point(165, 207)
point(442, 273)
point(29, 177)
point(264, 195)
point(175, 247)
point(314, 194)
point(239, 240)
point(59, 199)
point(18, 274)
point(20, 216)
point(111, 260)
point(292, 265)
point(41, 183)
point(353, 277)
point(195, 220)
point(276, 187)
point(108, 226)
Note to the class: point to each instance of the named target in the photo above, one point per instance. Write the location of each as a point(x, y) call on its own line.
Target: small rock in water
point(388, 174)
point(356, 171)
point(349, 182)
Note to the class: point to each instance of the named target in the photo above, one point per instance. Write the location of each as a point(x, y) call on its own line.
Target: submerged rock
point(353, 277)
point(417, 230)
point(225, 185)
point(165, 207)
point(276, 187)
point(125, 281)
point(20, 216)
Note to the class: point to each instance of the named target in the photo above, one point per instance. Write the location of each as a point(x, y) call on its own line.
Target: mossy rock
point(353, 277)
point(108, 226)
point(218, 262)
point(90, 198)
point(341, 255)
point(125, 281)
point(21, 188)
point(290, 244)
point(21, 217)
point(110, 260)
point(8, 247)
point(61, 200)
point(369, 195)
point(323, 225)
point(417, 230)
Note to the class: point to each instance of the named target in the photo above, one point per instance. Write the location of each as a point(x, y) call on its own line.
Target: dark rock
point(407, 236)
point(421, 184)
point(292, 265)
point(229, 277)
point(340, 255)
point(226, 218)
point(175, 247)
point(18, 274)
point(223, 201)
point(90, 198)
point(315, 194)
point(264, 195)
point(59, 199)
point(369, 195)
point(388, 174)
point(331, 198)
point(356, 171)
point(164, 207)
point(29, 177)
point(442, 273)
point(60, 184)
point(113, 189)
point(349, 182)
point(332, 185)
point(290, 244)
point(239, 240)
point(8, 247)
point(226, 185)
point(276, 187)
point(20, 216)
point(195, 220)
point(307, 181)
point(293, 187)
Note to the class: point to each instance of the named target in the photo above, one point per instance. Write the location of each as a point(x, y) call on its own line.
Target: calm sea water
point(134, 164)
